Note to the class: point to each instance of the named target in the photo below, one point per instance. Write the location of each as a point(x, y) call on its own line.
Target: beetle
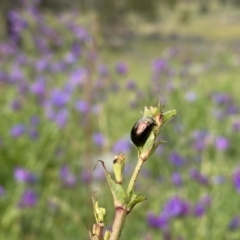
point(141, 130)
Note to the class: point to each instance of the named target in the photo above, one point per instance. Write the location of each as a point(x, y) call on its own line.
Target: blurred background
point(74, 76)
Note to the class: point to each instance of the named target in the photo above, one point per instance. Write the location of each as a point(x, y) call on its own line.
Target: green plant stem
point(135, 174)
point(119, 220)
point(121, 213)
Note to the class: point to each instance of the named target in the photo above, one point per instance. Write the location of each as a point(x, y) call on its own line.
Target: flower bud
point(118, 167)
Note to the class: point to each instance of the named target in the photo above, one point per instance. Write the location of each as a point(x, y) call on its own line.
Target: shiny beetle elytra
point(141, 130)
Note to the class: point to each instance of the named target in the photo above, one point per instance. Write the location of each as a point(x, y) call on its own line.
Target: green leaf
point(135, 199)
point(118, 167)
point(99, 212)
point(169, 115)
point(117, 190)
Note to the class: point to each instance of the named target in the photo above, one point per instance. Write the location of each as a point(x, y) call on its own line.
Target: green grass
point(219, 24)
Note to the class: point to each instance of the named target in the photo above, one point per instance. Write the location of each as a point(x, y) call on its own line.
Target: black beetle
point(141, 130)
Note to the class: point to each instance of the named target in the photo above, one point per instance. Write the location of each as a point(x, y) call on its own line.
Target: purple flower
point(206, 200)
point(76, 49)
point(159, 65)
point(16, 21)
point(190, 96)
point(234, 223)
point(4, 77)
point(176, 207)
point(176, 159)
point(199, 145)
point(61, 118)
point(28, 199)
point(33, 133)
point(23, 87)
point(2, 191)
point(22, 59)
point(198, 177)
point(131, 85)
point(23, 175)
point(59, 98)
point(16, 105)
point(82, 106)
point(16, 74)
point(198, 210)
point(39, 87)
point(121, 68)
point(221, 143)
point(220, 98)
point(123, 145)
point(41, 44)
point(99, 139)
point(232, 109)
point(58, 66)
point(33, 10)
point(80, 32)
point(236, 178)
point(18, 130)
point(236, 126)
point(41, 64)
point(77, 77)
point(160, 221)
point(103, 70)
point(200, 134)
point(177, 179)
point(70, 58)
point(218, 113)
point(34, 120)
point(200, 139)
point(217, 180)
point(201, 206)
point(86, 177)
point(67, 177)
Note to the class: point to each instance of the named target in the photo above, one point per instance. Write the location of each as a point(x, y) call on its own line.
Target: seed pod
point(141, 130)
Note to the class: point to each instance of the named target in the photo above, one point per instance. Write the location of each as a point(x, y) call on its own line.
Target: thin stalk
point(121, 214)
point(135, 174)
point(119, 220)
